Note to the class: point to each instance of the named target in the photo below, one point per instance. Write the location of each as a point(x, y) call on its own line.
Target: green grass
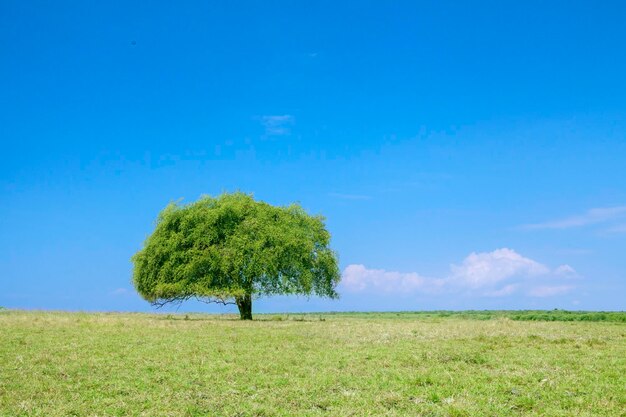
point(376, 364)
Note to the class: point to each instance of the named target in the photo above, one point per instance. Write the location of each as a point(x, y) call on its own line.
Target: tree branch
point(180, 299)
point(216, 300)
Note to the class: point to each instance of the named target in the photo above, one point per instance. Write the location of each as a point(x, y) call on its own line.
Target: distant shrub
point(562, 315)
point(517, 315)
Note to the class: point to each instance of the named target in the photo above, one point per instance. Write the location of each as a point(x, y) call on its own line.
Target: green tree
point(232, 249)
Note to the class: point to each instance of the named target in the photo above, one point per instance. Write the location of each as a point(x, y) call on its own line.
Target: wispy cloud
point(566, 271)
point(592, 216)
point(350, 196)
point(277, 125)
point(620, 228)
point(503, 292)
point(548, 291)
point(502, 272)
point(120, 292)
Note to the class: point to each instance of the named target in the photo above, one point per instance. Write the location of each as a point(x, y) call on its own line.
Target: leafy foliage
point(231, 247)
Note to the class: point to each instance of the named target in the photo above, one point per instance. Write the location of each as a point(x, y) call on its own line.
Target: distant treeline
point(543, 315)
point(518, 315)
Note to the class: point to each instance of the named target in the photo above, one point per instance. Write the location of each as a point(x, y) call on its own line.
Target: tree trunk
point(245, 306)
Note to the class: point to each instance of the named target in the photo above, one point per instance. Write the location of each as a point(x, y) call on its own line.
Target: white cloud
point(358, 278)
point(277, 125)
point(566, 271)
point(488, 268)
point(499, 273)
point(120, 291)
point(593, 216)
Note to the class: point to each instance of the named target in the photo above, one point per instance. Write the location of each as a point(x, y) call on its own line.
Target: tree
point(232, 249)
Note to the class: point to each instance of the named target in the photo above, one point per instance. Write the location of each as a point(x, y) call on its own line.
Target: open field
point(407, 364)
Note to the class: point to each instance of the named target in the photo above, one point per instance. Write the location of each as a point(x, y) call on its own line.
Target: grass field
point(407, 364)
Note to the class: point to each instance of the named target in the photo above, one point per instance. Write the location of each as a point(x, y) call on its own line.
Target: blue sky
point(465, 156)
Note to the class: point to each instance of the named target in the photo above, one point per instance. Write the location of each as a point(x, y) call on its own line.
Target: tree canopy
point(230, 249)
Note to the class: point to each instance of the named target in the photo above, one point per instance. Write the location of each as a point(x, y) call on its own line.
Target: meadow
point(350, 364)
